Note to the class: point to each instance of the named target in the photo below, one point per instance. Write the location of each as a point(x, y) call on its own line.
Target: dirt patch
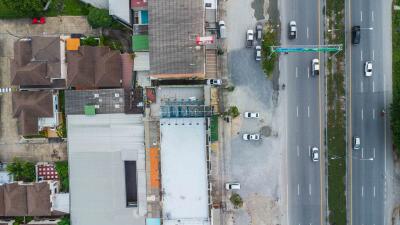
point(262, 210)
point(257, 5)
point(236, 124)
point(266, 131)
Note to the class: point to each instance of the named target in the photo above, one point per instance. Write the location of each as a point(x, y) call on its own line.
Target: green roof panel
point(90, 110)
point(140, 43)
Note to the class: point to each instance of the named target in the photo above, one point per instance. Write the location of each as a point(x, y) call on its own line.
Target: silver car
point(315, 154)
point(251, 137)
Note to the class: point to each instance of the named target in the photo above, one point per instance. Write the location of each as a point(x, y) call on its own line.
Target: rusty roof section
point(173, 27)
point(94, 67)
point(28, 106)
point(38, 198)
point(36, 60)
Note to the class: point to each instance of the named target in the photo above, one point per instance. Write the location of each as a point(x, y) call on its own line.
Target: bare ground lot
point(11, 144)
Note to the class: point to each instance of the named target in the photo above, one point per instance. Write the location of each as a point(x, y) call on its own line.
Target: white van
point(222, 29)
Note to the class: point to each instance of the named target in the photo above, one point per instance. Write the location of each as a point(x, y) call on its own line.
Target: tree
point(395, 120)
point(64, 221)
point(28, 8)
point(236, 200)
point(233, 111)
point(99, 18)
point(22, 170)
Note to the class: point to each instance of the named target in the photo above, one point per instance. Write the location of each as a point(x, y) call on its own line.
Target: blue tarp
point(153, 221)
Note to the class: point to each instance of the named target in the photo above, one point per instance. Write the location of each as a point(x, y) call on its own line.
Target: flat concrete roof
point(184, 171)
point(97, 148)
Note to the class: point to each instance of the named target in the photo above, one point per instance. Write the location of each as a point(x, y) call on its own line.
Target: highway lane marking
point(373, 55)
point(308, 111)
point(297, 111)
point(309, 189)
point(373, 113)
point(307, 33)
point(309, 150)
point(374, 152)
point(372, 16)
point(362, 153)
point(373, 86)
point(308, 72)
point(298, 151)
point(361, 16)
point(298, 189)
point(361, 56)
point(297, 74)
point(362, 86)
point(374, 190)
point(362, 114)
point(362, 191)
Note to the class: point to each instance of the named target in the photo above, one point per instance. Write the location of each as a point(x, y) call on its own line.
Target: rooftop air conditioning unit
point(97, 106)
point(96, 95)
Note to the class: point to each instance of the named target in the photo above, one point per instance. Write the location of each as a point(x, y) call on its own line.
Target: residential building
point(94, 67)
point(35, 111)
point(46, 171)
point(37, 64)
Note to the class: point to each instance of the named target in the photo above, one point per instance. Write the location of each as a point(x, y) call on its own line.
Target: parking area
point(257, 165)
point(11, 144)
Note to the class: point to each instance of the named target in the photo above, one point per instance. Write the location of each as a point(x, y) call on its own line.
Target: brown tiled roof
point(36, 60)
point(15, 200)
point(38, 196)
point(2, 208)
point(28, 106)
point(94, 67)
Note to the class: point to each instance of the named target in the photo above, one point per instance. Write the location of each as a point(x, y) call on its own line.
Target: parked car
point(355, 35)
point(251, 137)
point(292, 29)
point(222, 29)
point(356, 142)
point(214, 82)
point(258, 53)
point(232, 186)
point(259, 29)
point(368, 68)
point(251, 115)
point(315, 154)
point(315, 67)
point(249, 38)
point(39, 20)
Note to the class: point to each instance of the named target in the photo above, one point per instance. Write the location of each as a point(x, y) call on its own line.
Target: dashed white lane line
point(372, 16)
point(362, 114)
point(362, 191)
point(298, 189)
point(373, 86)
point(361, 16)
point(309, 150)
point(307, 33)
point(374, 190)
point(374, 152)
point(362, 153)
point(308, 72)
point(373, 55)
point(297, 72)
point(297, 111)
point(361, 55)
point(362, 87)
point(298, 151)
point(373, 113)
point(308, 111)
point(309, 189)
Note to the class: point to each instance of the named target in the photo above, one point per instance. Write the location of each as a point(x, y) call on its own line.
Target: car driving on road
point(368, 68)
point(356, 142)
point(315, 154)
point(355, 35)
point(251, 114)
point(292, 29)
point(315, 67)
point(251, 137)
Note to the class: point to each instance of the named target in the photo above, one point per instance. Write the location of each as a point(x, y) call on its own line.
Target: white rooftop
point(184, 171)
point(97, 148)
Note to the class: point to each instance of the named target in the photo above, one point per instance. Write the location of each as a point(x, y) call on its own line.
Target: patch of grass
point(214, 128)
point(62, 170)
point(268, 58)
point(90, 41)
point(112, 43)
point(6, 13)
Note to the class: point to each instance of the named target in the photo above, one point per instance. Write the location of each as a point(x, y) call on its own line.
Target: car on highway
point(251, 137)
point(214, 82)
point(232, 186)
point(368, 68)
point(315, 67)
point(356, 142)
point(292, 29)
point(258, 53)
point(315, 154)
point(251, 115)
point(355, 35)
point(259, 31)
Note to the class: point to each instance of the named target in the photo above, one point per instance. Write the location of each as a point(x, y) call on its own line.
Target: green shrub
point(64, 221)
point(99, 18)
point(22, 170)
point(91, 41)
point(62, 170)
point(236, 200)
point(233, 111)
point(214, 128)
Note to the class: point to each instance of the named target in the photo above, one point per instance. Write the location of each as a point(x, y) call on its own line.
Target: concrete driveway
point(10, 30)
point(257, 165)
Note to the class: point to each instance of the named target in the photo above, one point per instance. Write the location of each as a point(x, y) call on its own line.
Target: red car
point(40, 20)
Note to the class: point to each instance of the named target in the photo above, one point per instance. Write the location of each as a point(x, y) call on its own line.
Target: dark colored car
point(355, 35)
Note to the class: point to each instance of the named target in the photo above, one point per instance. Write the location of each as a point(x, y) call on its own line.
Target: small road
point(367, 98)
point(306, 204)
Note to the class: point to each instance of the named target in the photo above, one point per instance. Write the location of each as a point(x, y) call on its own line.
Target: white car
point(315, 154)
point(292, 29)
point(251, 115)
point(215, 82)
point(368, 68)
point(232, 186)
point(315, 67)
point(258, 53)
point(251, 137)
